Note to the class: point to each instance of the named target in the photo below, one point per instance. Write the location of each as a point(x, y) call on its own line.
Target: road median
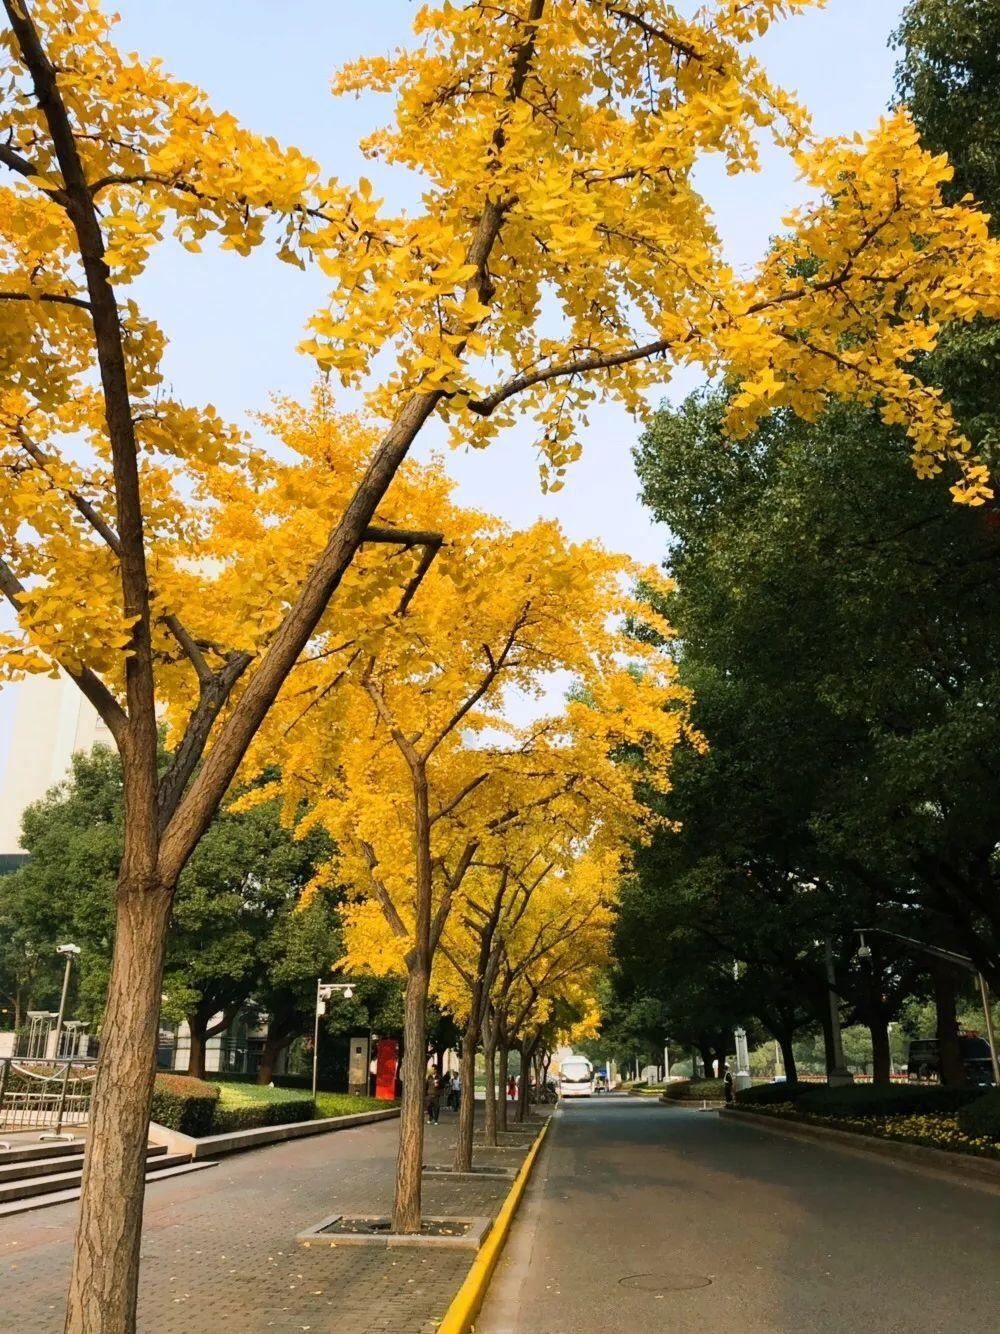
point(966, 1169)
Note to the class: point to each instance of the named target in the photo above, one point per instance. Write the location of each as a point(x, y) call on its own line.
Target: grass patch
point(347, 1104)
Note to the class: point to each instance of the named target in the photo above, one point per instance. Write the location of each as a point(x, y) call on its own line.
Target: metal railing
point(45, 1095)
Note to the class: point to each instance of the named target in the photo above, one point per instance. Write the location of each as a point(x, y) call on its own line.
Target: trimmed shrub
point(695, 1089)
point(251, 1115)
point(981, 1118)
point(762, 1095)
point(248, 1106)
point(874, 1100)
point(184, 1104)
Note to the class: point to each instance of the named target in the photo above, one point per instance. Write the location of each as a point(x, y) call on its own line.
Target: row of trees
point(557, 146)
point(838, 623)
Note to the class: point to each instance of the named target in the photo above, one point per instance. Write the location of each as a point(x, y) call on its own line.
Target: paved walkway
point(667, 1220)
point(219, 1251)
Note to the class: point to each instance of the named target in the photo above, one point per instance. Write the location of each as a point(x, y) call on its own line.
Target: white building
point(51, 721)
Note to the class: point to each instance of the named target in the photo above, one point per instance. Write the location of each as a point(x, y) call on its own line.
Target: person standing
point(432, 1097)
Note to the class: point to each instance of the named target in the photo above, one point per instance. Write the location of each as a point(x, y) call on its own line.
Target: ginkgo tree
point(560, 253)
point(400, 745)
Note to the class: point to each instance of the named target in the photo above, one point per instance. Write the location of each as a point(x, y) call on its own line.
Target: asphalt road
point(647, 1217)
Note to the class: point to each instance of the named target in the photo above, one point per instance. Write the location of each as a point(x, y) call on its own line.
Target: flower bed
point(932, 1130)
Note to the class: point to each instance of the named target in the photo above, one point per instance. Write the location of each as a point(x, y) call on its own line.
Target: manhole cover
point(664, 1282)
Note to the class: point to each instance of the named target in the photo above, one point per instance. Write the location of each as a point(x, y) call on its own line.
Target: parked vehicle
point(924, 1060)
point(576, 1078)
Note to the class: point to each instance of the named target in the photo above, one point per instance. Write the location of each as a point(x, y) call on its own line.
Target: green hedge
point(981, 1117)
point(765, 1094)
point(681, 1090)
point(877, 1100)
point(184, 1104)
point(251, 1115)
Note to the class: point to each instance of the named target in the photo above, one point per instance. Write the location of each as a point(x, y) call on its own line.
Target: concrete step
point(68, 1195)
point(35, 1151)
point(27, 1180)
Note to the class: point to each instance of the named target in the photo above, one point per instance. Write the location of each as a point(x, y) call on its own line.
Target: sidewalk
point(219, 1247)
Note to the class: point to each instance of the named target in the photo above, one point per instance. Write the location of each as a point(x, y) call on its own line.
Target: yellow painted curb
point(469, 1298)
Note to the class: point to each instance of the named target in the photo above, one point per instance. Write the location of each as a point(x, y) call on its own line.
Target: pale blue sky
point(233, 324)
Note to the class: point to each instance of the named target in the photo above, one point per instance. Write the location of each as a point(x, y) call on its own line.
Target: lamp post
point(324, 990)
point(70, 952)
point(949, 956)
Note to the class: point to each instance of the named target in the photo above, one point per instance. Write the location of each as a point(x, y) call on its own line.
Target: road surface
point(641, 1216)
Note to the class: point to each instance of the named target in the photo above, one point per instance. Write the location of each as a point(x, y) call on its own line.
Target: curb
point(962, 1169)
point(238, 1141)
point(466, 1303)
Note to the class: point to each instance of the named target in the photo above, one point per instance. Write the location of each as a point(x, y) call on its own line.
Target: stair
point(39, 1174)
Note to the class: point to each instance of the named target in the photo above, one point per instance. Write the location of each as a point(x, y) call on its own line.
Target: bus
point(576, 1078)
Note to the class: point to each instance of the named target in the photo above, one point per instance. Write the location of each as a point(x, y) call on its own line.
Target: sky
point(234, 323)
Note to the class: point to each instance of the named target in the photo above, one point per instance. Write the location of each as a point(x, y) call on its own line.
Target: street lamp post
point(70, 952)
point(949, 956)
point(324, 990)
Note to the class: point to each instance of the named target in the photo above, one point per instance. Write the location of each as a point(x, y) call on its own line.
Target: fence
point(45, 1095)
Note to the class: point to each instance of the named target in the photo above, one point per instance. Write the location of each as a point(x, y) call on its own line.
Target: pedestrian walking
point(512, 1089)
point(727, 1084)
point(454, 1092)
point(432, 1097)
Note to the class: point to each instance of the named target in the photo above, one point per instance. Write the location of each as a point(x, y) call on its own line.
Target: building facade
point(51, 722)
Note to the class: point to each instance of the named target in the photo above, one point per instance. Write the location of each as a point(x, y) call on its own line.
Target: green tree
point(235, 929)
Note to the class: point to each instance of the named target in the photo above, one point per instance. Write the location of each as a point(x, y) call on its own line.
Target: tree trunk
point(788, 1058)
point(502, 1085)
point(881, 1054)
point(196, 1053)
point(490, 1053)
point(951, 1070)
point(829, 1053)
point(410, 1156)
point(274, 1044)
point(706, 1061)
point(527, 1056)
point(467, 1100)
point(105, 1277)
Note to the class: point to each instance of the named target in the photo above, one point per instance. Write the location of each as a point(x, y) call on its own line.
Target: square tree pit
point(368, 1230)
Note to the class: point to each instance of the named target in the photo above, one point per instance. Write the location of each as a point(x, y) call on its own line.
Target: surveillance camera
point(864, 952)
point(72, 950)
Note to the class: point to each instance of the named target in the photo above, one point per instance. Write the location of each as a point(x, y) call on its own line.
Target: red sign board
point(386, 1065)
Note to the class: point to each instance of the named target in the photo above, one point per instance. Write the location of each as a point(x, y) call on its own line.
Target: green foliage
point(763, 1095)
point(948, 74)
point(347, 1104)
point(980, 1118)
point(684, 1090)
point(235, 931)
point(869, 1100)
point(184, 1104)
point(248, 1106)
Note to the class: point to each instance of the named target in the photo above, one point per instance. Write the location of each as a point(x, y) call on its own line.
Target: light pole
point(949, 956)
point(71, 952)
point(324, 990)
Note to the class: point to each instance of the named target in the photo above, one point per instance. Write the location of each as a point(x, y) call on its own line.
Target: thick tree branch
point(382, 894)
point(51, 298)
